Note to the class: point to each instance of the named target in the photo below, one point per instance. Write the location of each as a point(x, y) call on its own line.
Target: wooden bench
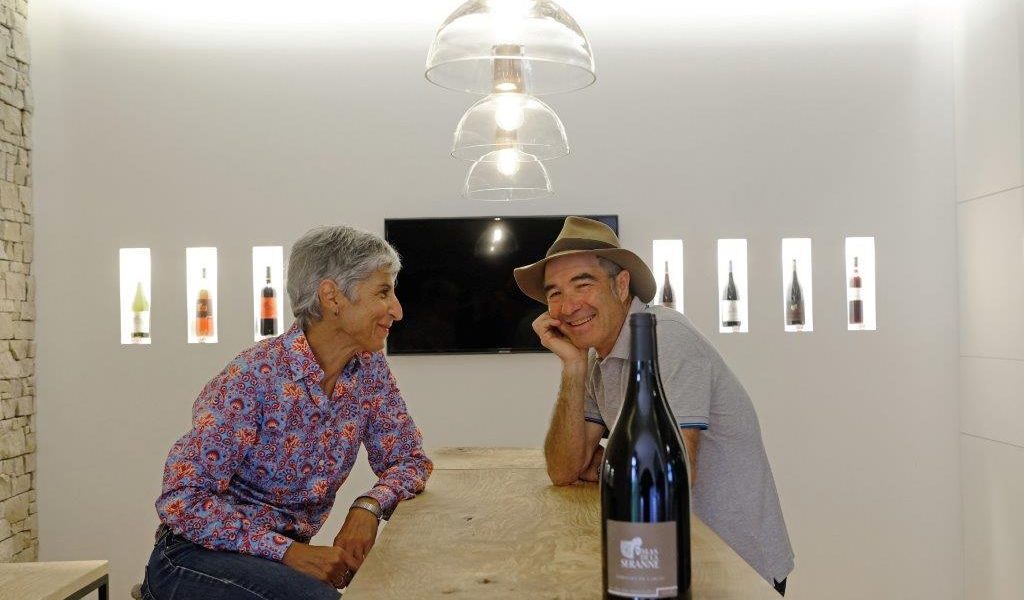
point(53, 580)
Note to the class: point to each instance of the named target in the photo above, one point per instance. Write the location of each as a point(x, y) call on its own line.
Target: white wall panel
point(991, 268)
point(992, 399)
point(993, 520)
point(988, 108)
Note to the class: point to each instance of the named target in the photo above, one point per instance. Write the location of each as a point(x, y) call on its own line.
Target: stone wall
point(19, 530)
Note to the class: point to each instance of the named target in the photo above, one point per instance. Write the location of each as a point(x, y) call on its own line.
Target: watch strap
point(369, 505)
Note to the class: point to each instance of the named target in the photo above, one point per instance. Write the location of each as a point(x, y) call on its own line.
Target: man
point(591, 285)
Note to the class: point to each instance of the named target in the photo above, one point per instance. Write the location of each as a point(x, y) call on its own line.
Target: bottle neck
point(643, 358)
point(642, 344)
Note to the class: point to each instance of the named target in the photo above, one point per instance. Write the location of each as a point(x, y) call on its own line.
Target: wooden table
point(53, 580)
point(491, 525)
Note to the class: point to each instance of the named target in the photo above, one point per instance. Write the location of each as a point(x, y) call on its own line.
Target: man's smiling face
point(590, 304)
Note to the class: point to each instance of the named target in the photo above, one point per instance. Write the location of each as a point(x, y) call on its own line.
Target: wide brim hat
point(580, 235)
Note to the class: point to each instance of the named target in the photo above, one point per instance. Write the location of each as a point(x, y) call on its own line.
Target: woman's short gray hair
point(344, 255)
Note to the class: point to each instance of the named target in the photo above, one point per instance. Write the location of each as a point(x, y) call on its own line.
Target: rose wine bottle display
point(268, 309)
point(204, 310)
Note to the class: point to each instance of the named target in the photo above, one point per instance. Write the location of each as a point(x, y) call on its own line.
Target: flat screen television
point(456, 286)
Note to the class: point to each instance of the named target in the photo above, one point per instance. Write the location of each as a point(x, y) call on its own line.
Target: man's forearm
point(565, 448)
point(691, 441)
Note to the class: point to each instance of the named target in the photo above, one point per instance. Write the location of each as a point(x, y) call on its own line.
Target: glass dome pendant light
point(539, 131)
point(507, 174)
point(505, 118)
point(527, 46)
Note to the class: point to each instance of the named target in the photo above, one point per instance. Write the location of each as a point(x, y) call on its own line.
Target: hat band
point(565, 244)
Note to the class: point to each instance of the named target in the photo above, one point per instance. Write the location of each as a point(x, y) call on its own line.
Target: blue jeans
point(181, 570)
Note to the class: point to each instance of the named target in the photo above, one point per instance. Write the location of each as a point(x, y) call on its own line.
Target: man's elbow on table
point(562, 475)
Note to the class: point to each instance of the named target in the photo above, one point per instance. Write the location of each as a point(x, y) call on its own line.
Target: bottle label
point(140, 325)
point(854, 293)
point(202, 308)
point(795, 314)
point(642, 559)
point(730, 312)
point(268, 308)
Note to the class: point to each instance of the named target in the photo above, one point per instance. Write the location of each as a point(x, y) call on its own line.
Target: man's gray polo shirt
point(735, 492)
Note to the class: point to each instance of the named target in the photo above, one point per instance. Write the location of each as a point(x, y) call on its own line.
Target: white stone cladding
point(19, 530)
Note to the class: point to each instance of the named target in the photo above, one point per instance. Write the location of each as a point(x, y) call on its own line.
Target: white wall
point(168, 129)
point(990, 218)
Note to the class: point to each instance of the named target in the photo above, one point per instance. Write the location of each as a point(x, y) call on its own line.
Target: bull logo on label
point(635, 556)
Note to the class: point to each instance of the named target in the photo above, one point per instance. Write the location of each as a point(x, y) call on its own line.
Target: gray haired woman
point(277, 432)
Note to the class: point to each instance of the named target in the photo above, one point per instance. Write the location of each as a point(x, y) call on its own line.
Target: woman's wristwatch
point(368, 504)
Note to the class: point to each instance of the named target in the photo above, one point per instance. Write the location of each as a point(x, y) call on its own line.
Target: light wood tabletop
point(52, 580)
point(491, 525)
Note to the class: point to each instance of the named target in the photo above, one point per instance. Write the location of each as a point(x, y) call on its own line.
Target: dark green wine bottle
point(645, 488)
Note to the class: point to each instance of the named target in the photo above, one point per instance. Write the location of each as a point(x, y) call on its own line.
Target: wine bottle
point(204, 310)
point(140, 315)
point(645, 492)
point(795, 304)
point(730, 303)
point(268, 309)
point(856, 299)
point(668, 298)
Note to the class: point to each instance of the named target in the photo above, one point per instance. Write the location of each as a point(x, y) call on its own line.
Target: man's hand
point(551, 337)
point(593, 470)
point(331, 565)
point(357, 535)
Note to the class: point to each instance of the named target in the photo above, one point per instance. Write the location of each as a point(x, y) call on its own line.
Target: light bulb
point(509, 114)
point(508, 162)
point(497, 234)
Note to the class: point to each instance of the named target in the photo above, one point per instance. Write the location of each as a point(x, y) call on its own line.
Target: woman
point(277, 432)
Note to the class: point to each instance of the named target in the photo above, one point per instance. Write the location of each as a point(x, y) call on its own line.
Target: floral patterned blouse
point(268, 449)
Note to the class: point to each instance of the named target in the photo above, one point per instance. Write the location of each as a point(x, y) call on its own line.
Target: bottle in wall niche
point(795, 302)
point(204, 310)
point(645, 489)
point(668, 298)
point(730, 303)
point(268, 309)
point(856, 299)
point(140, 315)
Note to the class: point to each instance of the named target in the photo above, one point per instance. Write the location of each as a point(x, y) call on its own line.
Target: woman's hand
point(357, 535)
point(330, 564)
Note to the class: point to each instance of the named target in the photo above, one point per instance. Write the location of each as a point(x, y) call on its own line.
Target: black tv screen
point(456, 286)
